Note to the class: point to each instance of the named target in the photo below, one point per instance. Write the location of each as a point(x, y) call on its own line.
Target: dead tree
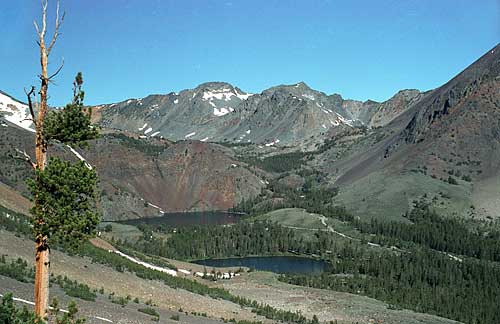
point(42, 262)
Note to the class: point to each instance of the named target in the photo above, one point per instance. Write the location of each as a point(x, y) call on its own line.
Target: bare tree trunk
point(42, 271)
point(42, 263)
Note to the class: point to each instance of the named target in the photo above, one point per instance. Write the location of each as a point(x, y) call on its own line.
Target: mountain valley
point(413, 180)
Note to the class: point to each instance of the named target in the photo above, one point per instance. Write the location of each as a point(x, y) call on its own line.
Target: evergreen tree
point(63, 193)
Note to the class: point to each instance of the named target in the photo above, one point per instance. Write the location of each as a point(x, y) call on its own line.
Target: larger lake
point(191, 218)
point(277, 264)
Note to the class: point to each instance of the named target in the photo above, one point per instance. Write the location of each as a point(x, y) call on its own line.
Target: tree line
point(428, 229)
point(405, 272)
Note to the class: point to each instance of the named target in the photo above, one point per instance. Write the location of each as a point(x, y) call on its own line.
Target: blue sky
point(360, 49)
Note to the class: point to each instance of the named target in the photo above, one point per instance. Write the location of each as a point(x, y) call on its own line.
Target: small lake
point(191, 218)
point(277, 264)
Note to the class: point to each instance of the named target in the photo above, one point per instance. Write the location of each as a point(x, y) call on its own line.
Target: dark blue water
point(192, 218)
point(277, 264)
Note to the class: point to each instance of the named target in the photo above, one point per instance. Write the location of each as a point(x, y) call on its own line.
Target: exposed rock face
point(218, 112)
point(450, 131)
point(460, 102)
point(186, 176)
point(142, 177)
point(395, 106)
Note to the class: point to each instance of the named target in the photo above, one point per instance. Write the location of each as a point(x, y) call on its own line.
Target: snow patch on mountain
point(220, 94)
point(222, 111)
point(190, 134)
point(15, 112)
point(225, 94)
point(243, 96)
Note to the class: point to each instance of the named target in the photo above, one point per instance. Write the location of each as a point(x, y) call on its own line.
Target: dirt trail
point(330, 229)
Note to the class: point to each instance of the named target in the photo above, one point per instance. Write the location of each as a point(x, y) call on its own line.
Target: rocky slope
point(143, 177)
point(219, 112)
point(185, 176)
point(452, 131)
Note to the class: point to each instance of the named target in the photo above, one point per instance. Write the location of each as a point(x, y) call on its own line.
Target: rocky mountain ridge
point(283, 115)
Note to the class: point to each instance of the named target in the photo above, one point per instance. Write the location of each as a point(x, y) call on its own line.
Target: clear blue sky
point(360, 49)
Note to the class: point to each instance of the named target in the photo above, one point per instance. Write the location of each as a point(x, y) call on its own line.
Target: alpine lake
point(278, 264)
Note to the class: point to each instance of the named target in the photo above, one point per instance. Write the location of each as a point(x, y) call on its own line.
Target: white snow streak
point(345, 121)
point(243, 96)
point(190, 134)
point(24, 301)
point(146, 124)
point(146, 265)
point(148, 130)
point(80, 157)
point(273, 142)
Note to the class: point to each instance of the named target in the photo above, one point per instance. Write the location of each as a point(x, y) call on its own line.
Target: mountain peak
point(214, 85)
point(302, 85)
point(300, 89)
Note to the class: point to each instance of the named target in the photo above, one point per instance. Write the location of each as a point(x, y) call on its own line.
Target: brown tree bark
point(42, 262)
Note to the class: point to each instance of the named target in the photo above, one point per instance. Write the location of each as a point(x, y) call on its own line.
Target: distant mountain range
point(219, 112)
point(202, 148)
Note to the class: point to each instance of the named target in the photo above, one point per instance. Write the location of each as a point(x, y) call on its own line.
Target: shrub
point(149, 311)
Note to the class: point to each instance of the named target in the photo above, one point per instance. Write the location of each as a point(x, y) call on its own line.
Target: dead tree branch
point(30, 103)
point(24, 156)
point(57, 71)
point(56, 31)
